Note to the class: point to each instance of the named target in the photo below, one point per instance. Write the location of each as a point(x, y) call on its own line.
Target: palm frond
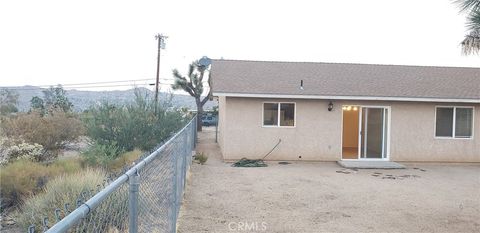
point(471, 43)
point(468, 5)
point(473, 20)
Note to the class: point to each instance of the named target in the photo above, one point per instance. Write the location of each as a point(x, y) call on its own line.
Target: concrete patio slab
point(370, 164)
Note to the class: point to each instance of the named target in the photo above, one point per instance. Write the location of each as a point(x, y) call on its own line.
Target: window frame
point(454, 123)
point(278, 115)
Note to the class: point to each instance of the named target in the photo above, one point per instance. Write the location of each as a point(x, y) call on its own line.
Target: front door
point(373, 133)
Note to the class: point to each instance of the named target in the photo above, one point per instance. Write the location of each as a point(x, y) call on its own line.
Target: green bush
point(109, 157)
point(134, 125)
point(101, 155)
point(54, 99)
point(52, 131)
point(24, 178)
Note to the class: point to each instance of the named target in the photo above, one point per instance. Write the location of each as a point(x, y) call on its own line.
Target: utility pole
point(161, 45)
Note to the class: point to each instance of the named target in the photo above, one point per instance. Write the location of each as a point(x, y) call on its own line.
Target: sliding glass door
point(373, 133)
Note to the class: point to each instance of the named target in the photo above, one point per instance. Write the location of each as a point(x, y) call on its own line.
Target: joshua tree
point(471, 43)
point(193, 85)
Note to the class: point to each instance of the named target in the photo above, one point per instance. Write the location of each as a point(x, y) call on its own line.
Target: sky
point(63, 42)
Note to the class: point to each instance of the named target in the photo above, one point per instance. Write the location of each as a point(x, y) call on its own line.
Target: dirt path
point(322, 197)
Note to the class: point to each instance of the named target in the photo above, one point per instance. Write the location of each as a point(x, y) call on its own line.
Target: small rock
point(7, 221)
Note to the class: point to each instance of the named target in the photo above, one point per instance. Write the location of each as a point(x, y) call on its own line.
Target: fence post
point(195, 132)
point(187, 152)
point(134, 185)
point(175, 189)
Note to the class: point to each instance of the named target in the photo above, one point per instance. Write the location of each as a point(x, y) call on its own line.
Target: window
point(454, 122)
point(279, 114)
point(444, 122)
point(464, 122)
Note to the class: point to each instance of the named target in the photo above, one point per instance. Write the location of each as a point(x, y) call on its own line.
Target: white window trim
point(278, 115)
point(454, 122)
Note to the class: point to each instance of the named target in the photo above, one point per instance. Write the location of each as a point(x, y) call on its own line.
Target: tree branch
point(205, 99)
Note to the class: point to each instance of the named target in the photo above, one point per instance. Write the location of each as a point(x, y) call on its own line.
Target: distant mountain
point(84, 99)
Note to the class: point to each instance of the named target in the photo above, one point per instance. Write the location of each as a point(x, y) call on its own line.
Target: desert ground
point(323, 197)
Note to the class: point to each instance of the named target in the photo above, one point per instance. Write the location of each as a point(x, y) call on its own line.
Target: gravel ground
point(323, 197)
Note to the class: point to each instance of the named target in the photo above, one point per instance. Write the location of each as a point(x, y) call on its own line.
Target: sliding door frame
point(386, 126)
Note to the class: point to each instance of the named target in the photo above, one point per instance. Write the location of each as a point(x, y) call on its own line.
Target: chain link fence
point(146, 198)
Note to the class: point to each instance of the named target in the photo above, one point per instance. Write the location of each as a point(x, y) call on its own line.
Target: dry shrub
point(20, 179)
point(52, 131)
point(201, 158)
point(24, 178)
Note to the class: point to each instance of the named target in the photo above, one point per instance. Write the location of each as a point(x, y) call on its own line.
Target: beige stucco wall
point(221, 122)
point(317, 134)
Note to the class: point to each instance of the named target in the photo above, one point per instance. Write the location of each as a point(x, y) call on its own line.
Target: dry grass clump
point(125, 159)
point(24, 178)
point(58, 191)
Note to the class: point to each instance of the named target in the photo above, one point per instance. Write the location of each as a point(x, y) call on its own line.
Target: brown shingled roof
point(337, 79)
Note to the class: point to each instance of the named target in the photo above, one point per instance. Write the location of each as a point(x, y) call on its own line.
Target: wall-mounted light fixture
point(330, 106)
point(349, 108)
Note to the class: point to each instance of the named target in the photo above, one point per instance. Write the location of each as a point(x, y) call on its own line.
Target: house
point(332, 111)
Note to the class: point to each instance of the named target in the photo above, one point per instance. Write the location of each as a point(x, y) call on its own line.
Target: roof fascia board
point(346, 97)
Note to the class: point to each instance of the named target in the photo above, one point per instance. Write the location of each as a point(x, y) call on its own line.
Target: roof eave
point(326, 97)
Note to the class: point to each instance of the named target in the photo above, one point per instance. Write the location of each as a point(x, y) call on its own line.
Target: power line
point(92, 83)
point(96, 84)
point(83, 87)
